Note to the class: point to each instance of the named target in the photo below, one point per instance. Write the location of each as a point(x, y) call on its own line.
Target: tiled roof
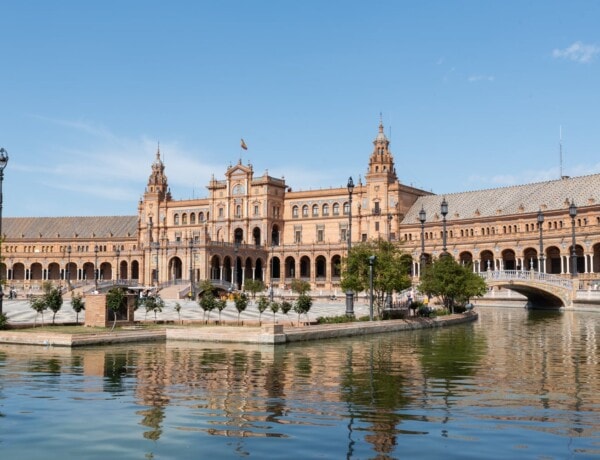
point(506, 201)
point(68, 227)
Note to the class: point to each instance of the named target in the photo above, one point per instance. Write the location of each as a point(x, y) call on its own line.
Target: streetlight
point(191, 248)
point(444, 210)
point(235, 252)
point(540, 220)
point(3, 163)
point(271, 272)
point(371, 262)
point(69, 267)
point(422, 219)
point(118, 251)
point(389, 218)
point(96, 272)
point(349, 293)
point(573, 214)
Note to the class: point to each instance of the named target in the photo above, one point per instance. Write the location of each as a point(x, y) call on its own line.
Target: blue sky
point(472, 94)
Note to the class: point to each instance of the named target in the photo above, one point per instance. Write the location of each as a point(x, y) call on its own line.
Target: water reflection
point(514, 383)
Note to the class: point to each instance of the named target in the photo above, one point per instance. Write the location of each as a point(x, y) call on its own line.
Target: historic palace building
point(257, 227)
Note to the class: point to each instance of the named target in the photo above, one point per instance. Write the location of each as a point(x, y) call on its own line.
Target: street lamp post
point(422, 219)
point(371, 263)
point(271, 273)
point(389, 218)
point(191, 248)
point(349, 293)
point(573, 214)
point(96, 272)
point(69, 267)
point(235, 260)
point(540, 220)
point(3, 163)
point(118, 251)
point(444, 211)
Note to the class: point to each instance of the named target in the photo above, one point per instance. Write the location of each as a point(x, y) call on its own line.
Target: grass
point(78, 329)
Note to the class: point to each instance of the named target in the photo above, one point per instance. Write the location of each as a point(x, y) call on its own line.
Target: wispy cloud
point(476, 78)
point(578, 52)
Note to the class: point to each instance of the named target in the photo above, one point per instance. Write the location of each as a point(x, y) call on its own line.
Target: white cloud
point(578, 52)
point(475, 78)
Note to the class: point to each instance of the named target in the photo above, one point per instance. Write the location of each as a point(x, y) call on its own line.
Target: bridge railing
point(512, 275)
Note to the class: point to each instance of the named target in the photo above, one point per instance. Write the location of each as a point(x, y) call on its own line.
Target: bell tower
point(381, 163)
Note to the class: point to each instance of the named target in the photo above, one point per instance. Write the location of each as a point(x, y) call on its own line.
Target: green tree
point(262, 305)
point(154, 304)
point(115, 300)
point(390, 270)
point(38, 304)
point(454, 283)
point(274, 306)
point(302, 306)
point(254, 286)
point(300, 286)
point(221, 304)
point(286, 307)
point(52, 298)
point(207, 302)
point(3, 321)
point(241, 302)
point(78, 304)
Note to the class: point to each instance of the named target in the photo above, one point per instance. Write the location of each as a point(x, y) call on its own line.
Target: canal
point(515, 384)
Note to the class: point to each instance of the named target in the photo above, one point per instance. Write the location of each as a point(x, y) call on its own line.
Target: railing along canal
point(518, 275)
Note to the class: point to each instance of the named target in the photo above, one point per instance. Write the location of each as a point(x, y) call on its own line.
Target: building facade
point(256, 227)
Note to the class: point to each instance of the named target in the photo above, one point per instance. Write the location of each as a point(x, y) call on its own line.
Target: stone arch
point(175, 269)
point(320, 267)
point(36, 271)
point(509, 259)
point(290, 267)
point(135, 270)
point(275, 268)
point(215, 268)
point(275, 235)
point(596, 258)
point(256, 236)
point(259, 270)
point(238, 235)
point(486, 261)
point(553, 260)
point(465, 258)
point(530, 259)
point(18, 270)
point(336, 266)
point(304, 267)
point(53, 271)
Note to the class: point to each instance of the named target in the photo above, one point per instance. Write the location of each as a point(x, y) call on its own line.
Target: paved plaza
point(20, 311)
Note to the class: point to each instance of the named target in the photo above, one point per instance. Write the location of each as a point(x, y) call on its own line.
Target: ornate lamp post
point(422, 219)
point(444, 211)
point(96, 272)
point(349, 293)
point(389, 218)
point(540, 220)
point(191, 249)
point(69, 267)
point(271, 273)
point(371, 263)
point(573, 214)
point(235, 261)
point(3, 163)
point(118, 251)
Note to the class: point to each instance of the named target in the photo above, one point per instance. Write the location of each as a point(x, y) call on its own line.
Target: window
point(320, 235)
point(298, 236)
point(176, 219)
point(305, 211)
point(184, 219)
point(192, 218)
point(336, 209)
point(344, 234)
point(238, 211)
point(325, 209)
point(295, 212)
point(346, 209)
point(220, 212)
point(315, 210)
point(376, 226)
point(256, 210)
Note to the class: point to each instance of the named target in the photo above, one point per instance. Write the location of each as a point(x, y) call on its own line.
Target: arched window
point(336, 210)
point(176, 219)
point(192, 218)
point(305, 211)
point(184, 219)
point(326, 209)
point(295, 211)
point(346, 208)
point(315, 210)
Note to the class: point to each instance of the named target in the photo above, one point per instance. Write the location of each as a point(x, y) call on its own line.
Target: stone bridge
point(541, 289)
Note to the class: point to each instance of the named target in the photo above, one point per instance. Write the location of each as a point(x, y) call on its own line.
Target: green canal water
point(515, 384)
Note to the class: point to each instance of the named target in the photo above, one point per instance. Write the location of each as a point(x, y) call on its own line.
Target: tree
point(274, 306)
point(302, 306)
point(78, 304)
point(300, 286)
point(53, 299)
point(241, 302)
point(453, 282)
point(206, 302)
point(262, 305)
point(254, 286)
point(39, 305)
point(154, 304)
point(221, 304)
point(286, 307)
point(115, 300)
point(390, 270)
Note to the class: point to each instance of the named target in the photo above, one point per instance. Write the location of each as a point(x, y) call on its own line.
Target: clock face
point(238, 189)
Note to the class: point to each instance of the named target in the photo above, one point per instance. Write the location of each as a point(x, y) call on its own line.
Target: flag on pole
point(243, 145)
